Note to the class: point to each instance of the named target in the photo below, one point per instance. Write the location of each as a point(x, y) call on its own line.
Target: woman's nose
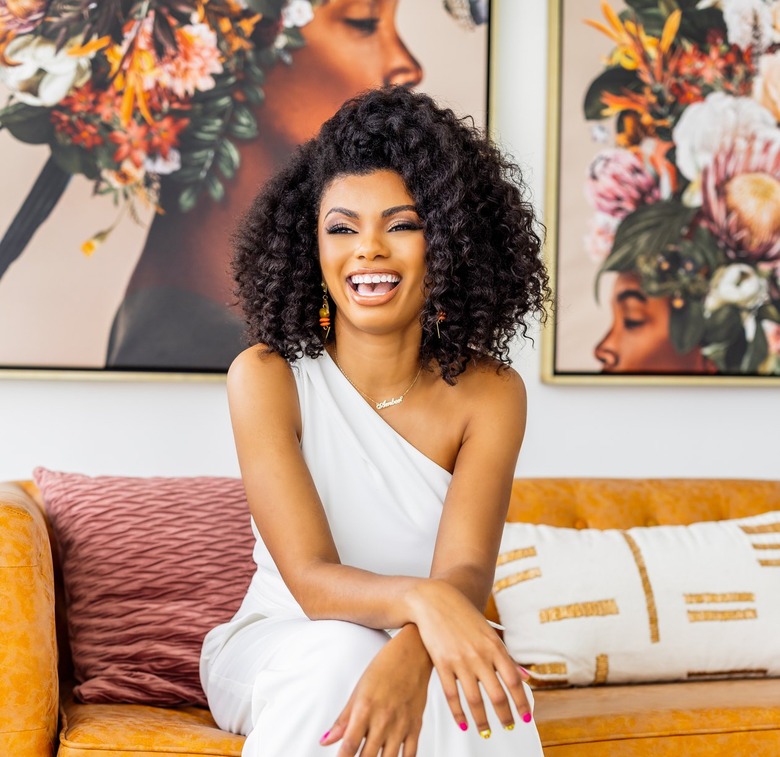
point(401, 67)
point(605, 353)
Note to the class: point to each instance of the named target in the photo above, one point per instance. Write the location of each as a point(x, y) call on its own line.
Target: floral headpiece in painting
point(688, 195)
point(126, 92)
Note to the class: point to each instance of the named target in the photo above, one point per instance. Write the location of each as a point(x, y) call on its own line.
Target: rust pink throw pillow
point(150, 565)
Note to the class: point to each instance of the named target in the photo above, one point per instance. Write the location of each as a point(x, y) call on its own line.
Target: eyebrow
point(385, 213)
point(629, 294)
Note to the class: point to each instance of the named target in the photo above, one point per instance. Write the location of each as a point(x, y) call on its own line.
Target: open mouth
point(373, 284)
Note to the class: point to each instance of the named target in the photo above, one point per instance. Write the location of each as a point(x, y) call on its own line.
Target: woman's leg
point(285, 681)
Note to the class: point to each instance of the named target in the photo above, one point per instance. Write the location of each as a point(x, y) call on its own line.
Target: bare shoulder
point(255, 367)
point(488, 382)
point(260, 383)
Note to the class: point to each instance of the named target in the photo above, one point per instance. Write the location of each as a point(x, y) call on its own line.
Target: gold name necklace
point(384, 403)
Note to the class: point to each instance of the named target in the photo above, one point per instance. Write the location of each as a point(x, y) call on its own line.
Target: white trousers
point(284, 681)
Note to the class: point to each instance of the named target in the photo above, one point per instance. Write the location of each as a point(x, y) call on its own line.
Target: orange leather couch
point(39, 718)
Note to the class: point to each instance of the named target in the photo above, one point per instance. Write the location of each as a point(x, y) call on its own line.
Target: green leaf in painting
point(215, 188)
point(756, 353)
point(188, 198)
point(724, 325)
point(228, 159)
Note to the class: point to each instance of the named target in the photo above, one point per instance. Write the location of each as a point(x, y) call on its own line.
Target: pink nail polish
point(527, 717)
point(325, 736)
point(524, 670)
point(463, 726)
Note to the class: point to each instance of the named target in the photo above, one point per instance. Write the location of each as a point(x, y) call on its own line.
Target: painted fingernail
point(463, 726)
point(527, 717)
point(485, 733)
point(509, 727)
point(524, 670)
point(325, 736)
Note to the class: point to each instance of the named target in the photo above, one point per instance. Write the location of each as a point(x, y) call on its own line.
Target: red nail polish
point(325, 736)
point(527, 717)
point(463, 726)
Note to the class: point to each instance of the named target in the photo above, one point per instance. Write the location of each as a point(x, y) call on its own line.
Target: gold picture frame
point(582, 35)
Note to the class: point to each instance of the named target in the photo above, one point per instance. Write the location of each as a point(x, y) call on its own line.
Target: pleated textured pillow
point(150, 565)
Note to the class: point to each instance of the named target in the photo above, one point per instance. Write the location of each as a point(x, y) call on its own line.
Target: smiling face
point(638, 340)
point(372, 253)
point(351, 46)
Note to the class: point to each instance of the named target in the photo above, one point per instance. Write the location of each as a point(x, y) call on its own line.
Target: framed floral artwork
point(663, 206)
point(135, 133)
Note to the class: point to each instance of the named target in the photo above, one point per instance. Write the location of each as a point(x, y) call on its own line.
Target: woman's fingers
point(449, 685)
point(513, 676)
point(473, 696)
point(498, 698)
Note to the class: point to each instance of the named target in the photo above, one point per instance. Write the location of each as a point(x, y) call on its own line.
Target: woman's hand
point(386, 707)
point(466, 650)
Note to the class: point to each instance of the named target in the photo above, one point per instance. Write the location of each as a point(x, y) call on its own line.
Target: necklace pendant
point(389, 403)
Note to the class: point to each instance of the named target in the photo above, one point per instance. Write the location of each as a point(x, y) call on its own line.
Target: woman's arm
point(286, 508)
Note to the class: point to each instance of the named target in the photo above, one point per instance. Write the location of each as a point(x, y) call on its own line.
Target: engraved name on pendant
point(389, 403)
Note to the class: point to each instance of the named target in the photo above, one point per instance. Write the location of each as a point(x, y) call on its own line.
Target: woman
point(383, 273)
point(176, 312)
point(639, 341)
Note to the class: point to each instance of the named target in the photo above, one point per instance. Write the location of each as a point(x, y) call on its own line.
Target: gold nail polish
point(485, 733)
point(509, 727)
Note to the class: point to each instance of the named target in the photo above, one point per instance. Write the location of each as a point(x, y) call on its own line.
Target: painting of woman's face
point(351, 46)
point(638, 340)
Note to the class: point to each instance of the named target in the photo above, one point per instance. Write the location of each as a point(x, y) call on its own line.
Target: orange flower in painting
point(132, 143)
point(164, 134)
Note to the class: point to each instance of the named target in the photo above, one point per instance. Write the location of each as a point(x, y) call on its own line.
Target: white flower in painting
point(163, 166)
point(748, 23)
point(40, 74)
point(704, 126)
point(738, 284)
point(766, 85)
point(297, 13)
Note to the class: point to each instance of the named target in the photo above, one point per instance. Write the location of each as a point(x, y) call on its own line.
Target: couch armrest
point(28, 647)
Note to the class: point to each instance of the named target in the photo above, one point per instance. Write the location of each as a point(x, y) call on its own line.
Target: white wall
point(178, 428)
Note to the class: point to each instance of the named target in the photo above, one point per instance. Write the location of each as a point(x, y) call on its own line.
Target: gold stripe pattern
point(767, 546)
point(743, 672)
point(516, 578)
point(697, 616)
point(769, 528)
point(548, 668)
point(734, 596)
point(652, 611)
point(544, 683)
point(579, 610)
point(769, 563)
point(516, 554)
point(602, 670)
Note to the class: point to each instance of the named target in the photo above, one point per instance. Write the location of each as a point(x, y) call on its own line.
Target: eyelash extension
point(366, 26)
point(339, 228)
point(406, 226)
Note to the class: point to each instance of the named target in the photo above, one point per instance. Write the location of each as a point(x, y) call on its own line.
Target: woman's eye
point(405, 226)
point(340, 228)
point(632, 323)
point(365, 26)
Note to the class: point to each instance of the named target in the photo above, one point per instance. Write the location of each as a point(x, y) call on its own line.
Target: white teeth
point(374, 278)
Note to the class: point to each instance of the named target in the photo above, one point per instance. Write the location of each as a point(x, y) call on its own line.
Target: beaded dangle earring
point(325, 312)
point(440, 316)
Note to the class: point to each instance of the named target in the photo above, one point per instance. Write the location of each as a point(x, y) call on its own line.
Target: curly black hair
point(484, 269)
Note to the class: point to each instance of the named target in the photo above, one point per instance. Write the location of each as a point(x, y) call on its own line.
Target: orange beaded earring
point(325, 311)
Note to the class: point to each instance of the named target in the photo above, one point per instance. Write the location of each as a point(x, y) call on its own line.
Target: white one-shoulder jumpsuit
point(282, 679)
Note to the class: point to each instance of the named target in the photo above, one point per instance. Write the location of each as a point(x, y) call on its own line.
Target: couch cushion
point(713, 717)
point(127, 730)
point(150, 565)
point(643, 604)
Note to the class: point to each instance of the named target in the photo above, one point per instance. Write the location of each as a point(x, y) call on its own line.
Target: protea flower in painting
point(618, 183)
point(741, 199)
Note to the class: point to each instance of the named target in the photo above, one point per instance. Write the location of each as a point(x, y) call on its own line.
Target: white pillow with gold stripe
point(645, 604)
